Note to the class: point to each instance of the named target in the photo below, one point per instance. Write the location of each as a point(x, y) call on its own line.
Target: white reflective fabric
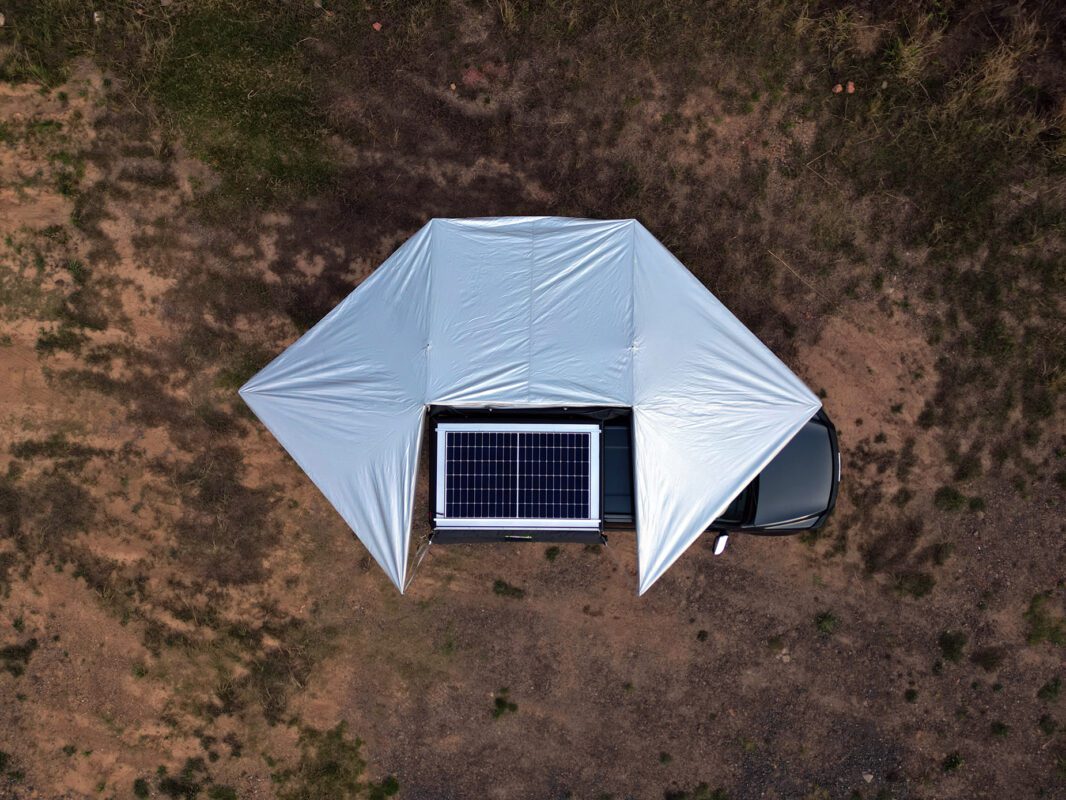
point(532, 311)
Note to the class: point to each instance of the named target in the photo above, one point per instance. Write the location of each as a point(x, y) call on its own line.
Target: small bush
point(948, 498)
point(911, 695)
point(141, 789)
point(552, 553)
point(388, 787)
point(952, 762)
point(502, 704)
point(952, 644)
point(15, 657)
point(1047, 724)
point(504, 589)
point(825, 622)
point(1050, 690)
point(988, 658)
point(187, 783)
point(1000, 729)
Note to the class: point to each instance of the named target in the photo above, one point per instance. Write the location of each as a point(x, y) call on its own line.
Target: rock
point(868, 777)
point(838, 89)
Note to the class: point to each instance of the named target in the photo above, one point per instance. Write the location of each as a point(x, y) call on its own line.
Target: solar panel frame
point(550, 438)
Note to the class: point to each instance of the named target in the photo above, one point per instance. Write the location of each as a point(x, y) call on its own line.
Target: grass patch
point(56, 447)
point(915, 584)
point(988, 658)
point(233, 78)
point(330, 765)
point(1044, 626)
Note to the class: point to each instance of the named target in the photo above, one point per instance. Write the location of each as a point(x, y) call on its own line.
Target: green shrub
point(1050, 690)
point(952, 762)
point(988, 658)
point(504, 589)
point(15, 657)
point(825, 622)
point(952, 644)
point(948, 498)
point(502, 704)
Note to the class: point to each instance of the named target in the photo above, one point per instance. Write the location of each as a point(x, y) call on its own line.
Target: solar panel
point(510, 476)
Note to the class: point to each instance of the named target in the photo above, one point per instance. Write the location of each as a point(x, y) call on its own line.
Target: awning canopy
point(532, 312)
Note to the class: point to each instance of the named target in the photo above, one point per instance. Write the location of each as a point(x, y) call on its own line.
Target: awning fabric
point(531, 312)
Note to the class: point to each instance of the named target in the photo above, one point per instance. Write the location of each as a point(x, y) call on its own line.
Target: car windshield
point(799, 481)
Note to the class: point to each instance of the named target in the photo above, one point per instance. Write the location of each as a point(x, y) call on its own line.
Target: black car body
point(795, 492)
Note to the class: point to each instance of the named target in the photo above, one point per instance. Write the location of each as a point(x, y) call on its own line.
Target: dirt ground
point(183, 615)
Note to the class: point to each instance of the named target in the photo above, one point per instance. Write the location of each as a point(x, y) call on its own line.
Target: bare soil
point(195, 604)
